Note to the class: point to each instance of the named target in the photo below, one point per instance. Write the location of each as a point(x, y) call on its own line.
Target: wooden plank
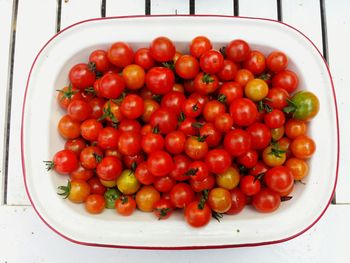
point(32, 32)
point(305, 15)
point(219, 7)
point(125, 8)
point(160, 7)
point(5, 33)
point(338, 31)
point(256, 8)
point(22, 230)
point(77, 10)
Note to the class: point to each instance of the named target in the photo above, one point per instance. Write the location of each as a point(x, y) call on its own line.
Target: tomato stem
point(207, 78)
point(97, 157)
point(197, 125)
point(68, 93)
point(90, 90)
point(222, 98)
point(169, 64)
point(124, 199)
point(191, 172)
point(49, 165)
point(203, 199)
point(223, 51)
point(291, 107)
point(286, 198)
point(217, 216)
point(163, 212)
point(65, 190)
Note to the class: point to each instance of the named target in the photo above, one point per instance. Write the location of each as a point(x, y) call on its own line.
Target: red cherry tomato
point(199, 46)
point(160, 80)
point(162, 49)
point(164, 120)
point(82, 76)
point(211, 61)
point(237, 50)
point(181, 195)
point(237, 142)
point(218, 161)
point(160, 163)
point(266, 201)
point(120, 54)
point(243, 111)
point(64, 162)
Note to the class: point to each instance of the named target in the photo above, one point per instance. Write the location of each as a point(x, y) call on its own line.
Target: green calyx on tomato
point(265, 76)
point(203, 199)
point(107, 113)
point(68, 93)
point(222, 98)
point(197, 125)
point(163, 212)
point(65, 190)
point(49, 165)
point(286, 198)
point(120, 98)
point(276, 150)
point(262, 106)
point(207, 78)
point(111, 195)
point(191, 172)
point(91, 66)
point(217, 216)
point(90, 90)
point(304, 105)
point(259, 177)
point(169, 65)
point(223, 51)
point(201, 138)
point(98, 157)
point(124, 199)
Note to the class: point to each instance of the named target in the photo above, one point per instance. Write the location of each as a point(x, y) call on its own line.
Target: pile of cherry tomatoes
point(209, 131)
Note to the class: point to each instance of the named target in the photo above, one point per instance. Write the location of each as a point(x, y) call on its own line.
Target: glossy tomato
point(160, 163)
point(237, 142)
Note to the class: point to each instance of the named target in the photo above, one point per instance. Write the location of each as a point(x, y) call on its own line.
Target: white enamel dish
point(40, 139)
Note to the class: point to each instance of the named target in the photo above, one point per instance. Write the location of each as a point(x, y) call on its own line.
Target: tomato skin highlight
point(197, 217)
point(266, 201)
point(160, 163)
point(237, 142)
point(65, 162)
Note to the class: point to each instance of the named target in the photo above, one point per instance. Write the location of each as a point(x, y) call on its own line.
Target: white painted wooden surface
point(305, 15)
point(5, 33)
point(338, 27)
point(24, 238)
point(78, 10)
point(254, 8)
point(33, 31)
point(218, 7)
point(160, 7)
point(125, 8)
point(28, 240)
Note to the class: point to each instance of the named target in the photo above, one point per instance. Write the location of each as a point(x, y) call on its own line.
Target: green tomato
point(111, 195)
point(304, 105)
point(127, 182)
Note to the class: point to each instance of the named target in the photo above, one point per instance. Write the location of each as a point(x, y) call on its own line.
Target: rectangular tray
point(40, 139)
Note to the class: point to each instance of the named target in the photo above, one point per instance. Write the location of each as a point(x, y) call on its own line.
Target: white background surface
point(24, 238)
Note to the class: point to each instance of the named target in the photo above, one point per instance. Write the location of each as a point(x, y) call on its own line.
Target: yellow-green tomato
point(108, 183)
point(228, 179)
point(256, 89)
point(127, 182)
point(274, 156)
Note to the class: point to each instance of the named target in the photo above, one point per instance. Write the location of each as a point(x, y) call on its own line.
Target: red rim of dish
point(181, 247)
